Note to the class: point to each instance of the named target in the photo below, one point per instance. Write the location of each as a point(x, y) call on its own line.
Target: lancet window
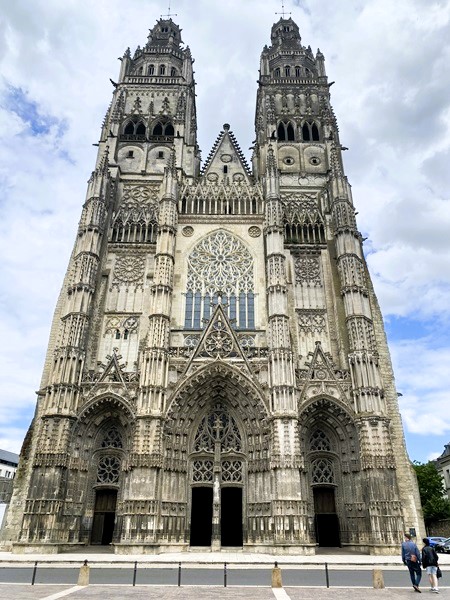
point(163, 129)
point(220, 265)
point(310, 132)
point(134, 130)
point(286, 131)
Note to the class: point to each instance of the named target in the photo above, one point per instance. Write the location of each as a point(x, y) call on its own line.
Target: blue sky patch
point(17, 101)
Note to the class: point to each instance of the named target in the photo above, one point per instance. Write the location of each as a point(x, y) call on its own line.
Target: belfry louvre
point(217, 373)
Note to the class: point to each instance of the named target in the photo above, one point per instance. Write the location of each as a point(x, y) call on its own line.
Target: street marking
point(280, 594)
point(64, 593)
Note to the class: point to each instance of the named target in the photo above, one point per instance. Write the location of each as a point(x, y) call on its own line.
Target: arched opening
point(100, 442)
point(218, 464)
point(163, 127)
point(217, 431)
point(306, 135)
point(151, 69)
point(329, 440)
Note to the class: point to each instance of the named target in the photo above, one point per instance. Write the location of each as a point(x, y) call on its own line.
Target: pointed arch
point(134, 129)
point(286, 131)
point(162, 127)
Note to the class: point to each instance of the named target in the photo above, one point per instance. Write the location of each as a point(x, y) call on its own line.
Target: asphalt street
point(157, 576)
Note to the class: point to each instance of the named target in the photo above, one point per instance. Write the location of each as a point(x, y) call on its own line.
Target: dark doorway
point(326, 521)
point(104, 517)
point(231, 516)
point(201, 516)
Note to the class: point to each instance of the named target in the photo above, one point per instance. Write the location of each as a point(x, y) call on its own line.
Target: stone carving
point(139, 196)
point(254, 231)
point(129, 269)
point(311, 320)
point(307, 270)
point(187, 231)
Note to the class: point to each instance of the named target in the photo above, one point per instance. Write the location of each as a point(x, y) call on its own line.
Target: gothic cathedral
point(217, 373)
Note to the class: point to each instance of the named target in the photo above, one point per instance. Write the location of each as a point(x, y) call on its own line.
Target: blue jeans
point(415, 572)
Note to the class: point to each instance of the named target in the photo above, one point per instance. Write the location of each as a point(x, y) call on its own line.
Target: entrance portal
point(104, 517)
point(201, 516)
point(231, 516)
point(326, 521)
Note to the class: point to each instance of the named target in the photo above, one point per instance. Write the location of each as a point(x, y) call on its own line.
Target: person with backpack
point(430, 561)
point(411, 558)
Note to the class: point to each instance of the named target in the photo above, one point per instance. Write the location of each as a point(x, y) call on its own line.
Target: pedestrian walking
point(411, 557)
point(430, 561)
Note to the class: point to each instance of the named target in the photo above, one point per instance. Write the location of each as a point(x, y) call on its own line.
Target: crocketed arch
point(197, 397)
point(220, 264)
point(328, 427)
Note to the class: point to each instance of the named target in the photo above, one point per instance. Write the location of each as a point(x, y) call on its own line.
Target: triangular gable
point(218, 342)
point(226, 159)
point(112, 371)
point(322, 377)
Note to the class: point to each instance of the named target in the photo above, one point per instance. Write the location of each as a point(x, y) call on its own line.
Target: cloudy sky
point(390, 63)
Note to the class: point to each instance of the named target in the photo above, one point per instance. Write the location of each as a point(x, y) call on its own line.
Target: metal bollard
point(327, 577)
point(134, 573)
point(179, 574)
point(276, 576)
point(83, 577)
point(33, 577)
point(224, 574)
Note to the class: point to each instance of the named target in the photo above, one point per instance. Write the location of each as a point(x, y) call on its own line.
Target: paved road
point(261, 576)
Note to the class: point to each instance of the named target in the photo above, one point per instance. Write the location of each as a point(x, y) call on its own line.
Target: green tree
point(435, 504)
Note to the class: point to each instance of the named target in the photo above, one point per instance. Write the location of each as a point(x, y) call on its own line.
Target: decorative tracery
point(108, 469)
point(218, 426)
point(319, 441)
point(112, 439)
point(220, 265)
point(219, 439)
point(322, 471)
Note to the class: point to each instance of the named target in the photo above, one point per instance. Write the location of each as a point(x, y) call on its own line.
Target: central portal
point(217, 463)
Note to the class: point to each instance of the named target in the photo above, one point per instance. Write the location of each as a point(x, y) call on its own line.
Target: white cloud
point(389, 61)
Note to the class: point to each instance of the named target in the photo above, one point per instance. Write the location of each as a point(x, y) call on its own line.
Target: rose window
point(108, 469)
point(220, 265)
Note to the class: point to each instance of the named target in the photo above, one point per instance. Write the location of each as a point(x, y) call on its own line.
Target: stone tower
point(217, 372)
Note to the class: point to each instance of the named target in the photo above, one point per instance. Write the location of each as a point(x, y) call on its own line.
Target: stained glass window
point(220, 264)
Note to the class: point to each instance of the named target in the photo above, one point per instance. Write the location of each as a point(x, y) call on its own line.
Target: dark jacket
point(429, 557)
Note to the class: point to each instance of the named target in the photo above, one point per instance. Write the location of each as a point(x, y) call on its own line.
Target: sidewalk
point(20, 592)
point(335, 557)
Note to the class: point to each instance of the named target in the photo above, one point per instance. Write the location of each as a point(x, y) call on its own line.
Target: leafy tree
point(435, 504)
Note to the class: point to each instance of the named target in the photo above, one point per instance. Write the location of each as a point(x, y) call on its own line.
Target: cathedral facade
point(217, 373)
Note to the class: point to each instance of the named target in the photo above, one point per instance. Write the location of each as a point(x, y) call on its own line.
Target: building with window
point(217, 372)
point(8, 467)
